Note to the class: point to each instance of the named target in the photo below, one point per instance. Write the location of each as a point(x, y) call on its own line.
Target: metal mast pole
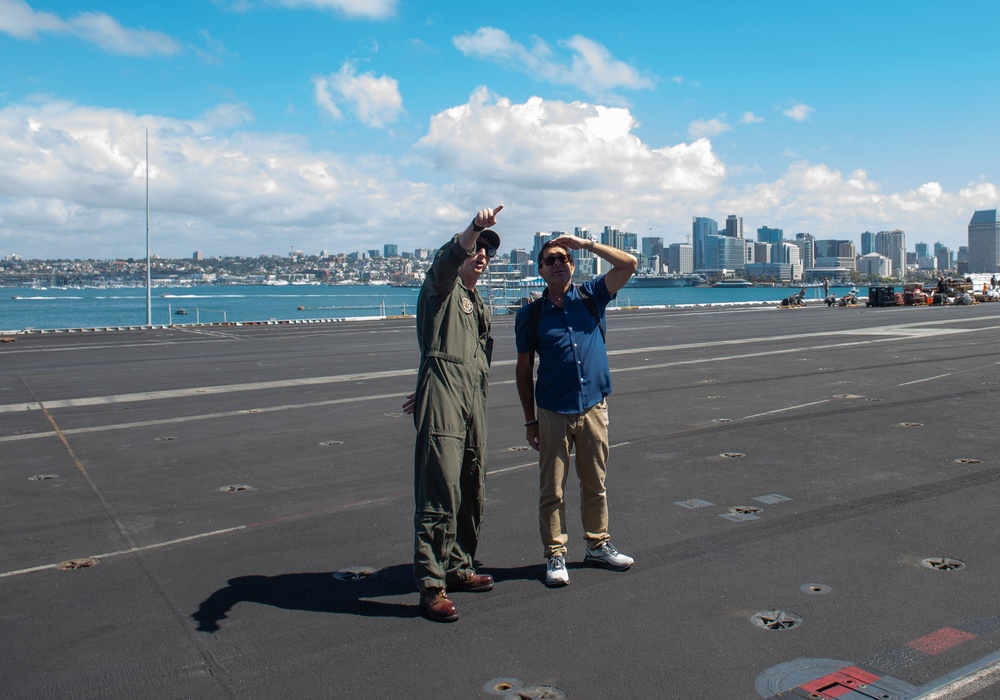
point(149, 302)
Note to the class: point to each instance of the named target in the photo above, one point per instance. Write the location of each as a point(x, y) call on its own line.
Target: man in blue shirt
point(567, 332)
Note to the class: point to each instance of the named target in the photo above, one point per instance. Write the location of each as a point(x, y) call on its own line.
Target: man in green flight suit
point(449, 412)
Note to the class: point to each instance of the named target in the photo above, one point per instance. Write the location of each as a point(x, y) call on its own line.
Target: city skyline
point(339, 125)
point(525, 243)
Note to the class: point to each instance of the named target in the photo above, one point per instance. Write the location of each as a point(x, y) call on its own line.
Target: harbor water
point(57, 308)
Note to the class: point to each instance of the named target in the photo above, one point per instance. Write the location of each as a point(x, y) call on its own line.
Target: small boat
point(180, 312)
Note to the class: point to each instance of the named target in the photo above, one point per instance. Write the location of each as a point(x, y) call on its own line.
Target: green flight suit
point(453, 332)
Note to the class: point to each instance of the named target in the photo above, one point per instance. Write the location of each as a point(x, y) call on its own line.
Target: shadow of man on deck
point(323, 592)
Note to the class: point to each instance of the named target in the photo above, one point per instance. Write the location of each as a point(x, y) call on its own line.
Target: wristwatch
point(593, 242)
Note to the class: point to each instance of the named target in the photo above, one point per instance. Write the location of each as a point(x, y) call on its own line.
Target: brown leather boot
point(476, 583)
point(437, 606)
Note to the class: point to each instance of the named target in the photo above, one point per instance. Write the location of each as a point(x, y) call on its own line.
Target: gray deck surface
point(875, 429)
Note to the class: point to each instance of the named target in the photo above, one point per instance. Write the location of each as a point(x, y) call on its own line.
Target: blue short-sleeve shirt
point(573, 372)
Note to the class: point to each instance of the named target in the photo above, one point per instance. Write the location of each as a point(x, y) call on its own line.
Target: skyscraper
point(770, 235)
point(892, 244)
point(701, 227)
point(584, 258)
point(867, 242)
point(734, 226)
point(807, 249)
point(984, 242)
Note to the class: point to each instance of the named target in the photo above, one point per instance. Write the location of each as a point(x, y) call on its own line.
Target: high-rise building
point(701, 228)
point(770, 235)
point(807, 249)
point(734, 226)
point(652, 246)
point(680, 258)
point(390, 250)
point(834, 248)
point(874, 266)
point(892, 244)
point(944, 257)
point(867, 242)
point(984, 242)
point(613, 237)
point(540, 238)
point(585, 260)
point(630, 242)
point(921, 250)
point(726, 253)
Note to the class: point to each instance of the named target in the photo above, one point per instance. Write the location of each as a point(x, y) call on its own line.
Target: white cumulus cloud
point(799, 112)
point(374, 99)
point(364, 9)
point(589, 65)
point(562, 146)
point(73, 183)
point(700, 128)
point(19, 20)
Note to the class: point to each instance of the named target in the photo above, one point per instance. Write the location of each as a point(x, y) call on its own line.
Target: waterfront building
point(762, 252)
point(788, 253)
point(680, 258)
point(892, 244)
point(725, 253)
point(833, 263)
point(874, 266)
point(701, 228)
point(807, 248)
point(837, 276)
point(772, 271)
point(984, 242)
point(867, 242)
point(652, 247)
point(586, 262)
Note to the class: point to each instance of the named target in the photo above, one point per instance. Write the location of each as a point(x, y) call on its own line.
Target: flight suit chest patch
point(466, 304)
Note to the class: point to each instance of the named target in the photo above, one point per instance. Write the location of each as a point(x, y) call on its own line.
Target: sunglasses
point(490, 250)
point(551, 260)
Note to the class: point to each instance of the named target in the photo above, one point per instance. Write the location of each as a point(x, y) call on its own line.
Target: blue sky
point(343, 125)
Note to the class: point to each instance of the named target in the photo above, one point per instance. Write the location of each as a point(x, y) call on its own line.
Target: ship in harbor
point(666, 281)
point(733, 283)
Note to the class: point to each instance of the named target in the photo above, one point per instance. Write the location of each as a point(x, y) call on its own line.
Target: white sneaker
point(555, 571)
point(607, 557)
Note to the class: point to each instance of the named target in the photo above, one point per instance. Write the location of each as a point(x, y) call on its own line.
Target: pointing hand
point(486, 217)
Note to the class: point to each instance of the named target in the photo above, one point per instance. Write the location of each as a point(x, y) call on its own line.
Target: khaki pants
point(558, 433)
